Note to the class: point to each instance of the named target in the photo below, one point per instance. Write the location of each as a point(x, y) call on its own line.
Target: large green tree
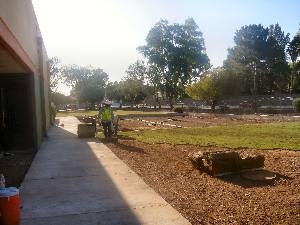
point(56, 73)
point(214, 85)
point(178, 55)
point(88, 84)
point(294, 53)
point(113, 92)
point(206, 89)
point(258, 58)
point(137, 71)
point(60, 99)
point(132, 91)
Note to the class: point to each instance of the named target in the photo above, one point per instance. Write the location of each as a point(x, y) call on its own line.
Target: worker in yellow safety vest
point(106, 117)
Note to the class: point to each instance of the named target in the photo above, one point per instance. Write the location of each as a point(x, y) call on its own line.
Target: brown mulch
point(204, 199)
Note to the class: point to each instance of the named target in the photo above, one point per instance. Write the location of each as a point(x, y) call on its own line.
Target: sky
point(106, 33)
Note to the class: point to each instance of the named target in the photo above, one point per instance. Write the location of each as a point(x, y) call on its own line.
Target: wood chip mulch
point(204, 199)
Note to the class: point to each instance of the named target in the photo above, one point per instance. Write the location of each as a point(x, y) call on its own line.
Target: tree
point(88, 84)
point(294, 53)
point(228, 84)
point(137, 71)
point(215, 85)
point(56, 73)
point(132, 90)
point(206, 89)
point(113, 92)
point(177, 53)
point(60, 99)
point(258, 58)
point(276, 58)
point(154, 75)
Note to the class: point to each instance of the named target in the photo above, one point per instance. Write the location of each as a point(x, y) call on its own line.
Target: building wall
point(20, 18)
point(44, 67)
point(20, 21)
point(38, 109)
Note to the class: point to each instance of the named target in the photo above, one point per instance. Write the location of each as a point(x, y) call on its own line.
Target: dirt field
point(203, 199)
point(198, 120)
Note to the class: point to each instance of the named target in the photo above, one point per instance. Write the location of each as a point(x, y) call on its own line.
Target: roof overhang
point(13, 58)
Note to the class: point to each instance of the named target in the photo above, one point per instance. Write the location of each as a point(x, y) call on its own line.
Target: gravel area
point(198, 120)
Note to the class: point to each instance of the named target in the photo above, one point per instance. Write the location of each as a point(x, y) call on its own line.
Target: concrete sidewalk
point(80, 181)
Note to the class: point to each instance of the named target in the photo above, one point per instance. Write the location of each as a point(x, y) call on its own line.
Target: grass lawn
point(77, 113)
point(259, 136)
point(94, 112)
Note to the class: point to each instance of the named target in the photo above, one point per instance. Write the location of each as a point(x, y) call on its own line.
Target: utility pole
point(254, 87)
point(254, 80)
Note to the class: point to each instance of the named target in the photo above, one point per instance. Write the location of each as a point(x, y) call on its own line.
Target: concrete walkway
point(80, 181)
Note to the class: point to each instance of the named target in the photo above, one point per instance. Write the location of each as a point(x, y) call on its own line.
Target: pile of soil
point(204, 199)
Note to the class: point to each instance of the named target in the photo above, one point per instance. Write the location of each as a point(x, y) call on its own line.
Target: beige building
point(24, 77)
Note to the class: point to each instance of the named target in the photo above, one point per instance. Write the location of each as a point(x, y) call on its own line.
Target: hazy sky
point(106, 33)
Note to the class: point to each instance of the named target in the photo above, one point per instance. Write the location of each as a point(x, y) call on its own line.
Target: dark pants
point(107, 128)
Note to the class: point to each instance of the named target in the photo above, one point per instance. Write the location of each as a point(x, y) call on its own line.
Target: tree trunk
point(213, 105)
point(171, 103)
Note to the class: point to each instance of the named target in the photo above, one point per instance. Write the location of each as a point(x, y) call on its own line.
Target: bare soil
point(204, 199)
point(14, 165)
point(198, 120)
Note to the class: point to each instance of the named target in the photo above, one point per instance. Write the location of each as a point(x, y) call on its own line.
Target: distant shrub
point(296, 104)
point(178, 110)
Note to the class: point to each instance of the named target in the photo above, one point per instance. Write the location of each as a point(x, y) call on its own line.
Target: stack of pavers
point(221, 163)
point(87, 129)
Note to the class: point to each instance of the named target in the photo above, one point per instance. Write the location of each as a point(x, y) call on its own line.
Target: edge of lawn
point(268, 136)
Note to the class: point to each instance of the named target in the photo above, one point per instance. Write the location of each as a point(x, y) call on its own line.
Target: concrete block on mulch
point(225, 162)
point(251, 162)
point(86, 130)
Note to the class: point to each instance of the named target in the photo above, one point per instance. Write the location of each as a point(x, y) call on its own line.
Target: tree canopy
point(176, 64)
point(137, 71)
point(60, 99)
point(56, 73)
point(259, 58)
point(88, 84)
point(176, 54)
point(213, 86)
point(294, 53)
point(206, 89)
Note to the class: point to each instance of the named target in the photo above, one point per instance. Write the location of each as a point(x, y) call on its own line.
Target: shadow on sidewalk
point(68, 184)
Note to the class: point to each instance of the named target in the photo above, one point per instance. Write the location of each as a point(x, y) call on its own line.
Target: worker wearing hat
point(106, 116)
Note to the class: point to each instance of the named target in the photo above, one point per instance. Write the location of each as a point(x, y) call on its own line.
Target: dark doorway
point(16, 112)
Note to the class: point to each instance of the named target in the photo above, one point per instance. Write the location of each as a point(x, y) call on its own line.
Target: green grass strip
point(285, 135)
point(77, 113)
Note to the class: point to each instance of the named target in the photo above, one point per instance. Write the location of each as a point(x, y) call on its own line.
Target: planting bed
point(204, 199)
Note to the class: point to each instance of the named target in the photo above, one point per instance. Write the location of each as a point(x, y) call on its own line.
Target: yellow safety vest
point(106, 114)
